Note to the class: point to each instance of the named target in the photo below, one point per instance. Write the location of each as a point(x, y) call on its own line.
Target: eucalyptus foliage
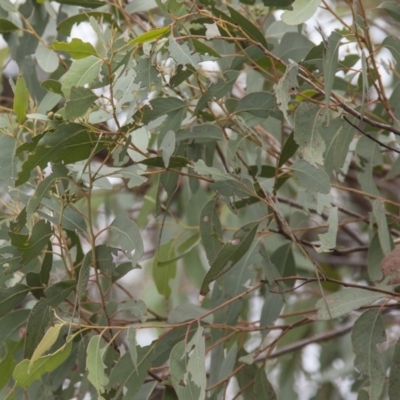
point(193, 193)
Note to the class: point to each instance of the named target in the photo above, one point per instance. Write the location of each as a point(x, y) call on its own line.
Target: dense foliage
point(197, 197)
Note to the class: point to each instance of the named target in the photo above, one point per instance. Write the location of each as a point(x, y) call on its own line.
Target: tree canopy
point(199, 199)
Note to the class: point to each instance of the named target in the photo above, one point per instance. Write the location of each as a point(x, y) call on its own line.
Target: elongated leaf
point(328, 239)
point(21, 100)
point(154, 34)
point(11, 297)
point(367, 333)
point(39, 319)
point(262, 387)
point(11, 323)
point(7, 26)
point(68, 143)
point(330, 62)
point(81, 73)
point(284, 88)
point(24, 373)
point(394, 377)
point(383, 231)
point(95, 365)
point(58, 292)
point(248, 27)
point(43, 189)
point(167, 147)
point(81, 100)
point(311, 178)
point(344, 301)
point(257, 103)
point(229, 254)
point(164, 268)
point(47, 341)
point(125, 234)
point(218, 90)
point(308, 123)
point(30, 246)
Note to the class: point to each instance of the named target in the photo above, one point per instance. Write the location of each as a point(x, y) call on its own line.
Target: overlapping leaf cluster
point(197, 148)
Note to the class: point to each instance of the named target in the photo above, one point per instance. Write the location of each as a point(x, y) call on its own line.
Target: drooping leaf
point(95, 364)
point(367, 333)
point(47, 341)
point(229, 254)
point(330, 61)
point(164, 268)
point(167, 147)
point(21, 99)
point(308, 122)
point(262, 387)
point(11, 297)
point(394, 378)
point(46, 58)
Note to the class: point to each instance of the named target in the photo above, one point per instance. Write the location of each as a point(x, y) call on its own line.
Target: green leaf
point(256, 103)
point(308, 122)
point(393, 44)
point(344, 301)
point(248, 27)
point(25, 373)
point(167, 147)
point(262, 387)
point(210, 230)
point(30, 246)
point(43, 190)
point(58, 292)
point(47, 341)
point(125, 378)
point(80, 101)
point(182, 54)
point(164, 267)
point(217, 90)
point(21, 100)
point(39, 319)
point(11, 323)
point(131, 337)
point(7, 26)
point(201, 134)
point(67, 144)
point(383, 230)
point(125, 235)
point(311, 178)
point(394, 377)
point(11, 297)
point(229, 254)
point(330, 61)
point(302, 11)
point(368, 331)
point(188, 312)
point(202, 169)
point(289, 149)
point(95, 365)
point(46, 58)
point(328, 239)
point(150, 36)
point(273, 303)
point(76, 47)
point(82, 72)
point(284, 88)
point(182, 380)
